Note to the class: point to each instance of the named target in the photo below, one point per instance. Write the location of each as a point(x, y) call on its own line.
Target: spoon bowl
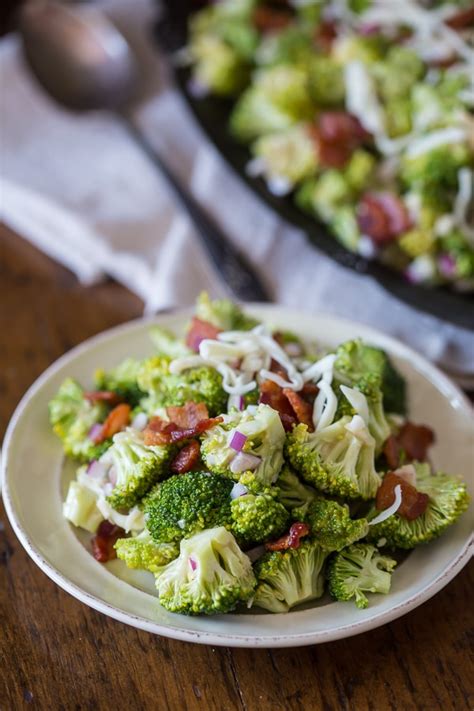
point(77, 55)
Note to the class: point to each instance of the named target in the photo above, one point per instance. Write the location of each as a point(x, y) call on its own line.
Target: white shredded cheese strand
point(435, 139)
point(361, 98)
point(323, 366)
point(391, 509)
point(325, 406)
point(358, 402)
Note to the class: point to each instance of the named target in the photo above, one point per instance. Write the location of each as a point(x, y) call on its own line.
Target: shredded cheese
point(436, 139)
point(358, 402)
point(391, 509)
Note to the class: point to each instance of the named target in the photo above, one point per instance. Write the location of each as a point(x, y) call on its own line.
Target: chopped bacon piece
point(339, 126)
point(326, 33)
point(116, 420)
point(382, 216)
point(413, 504)
point(268, 19)
point(290, 540)
point(272, 394)
point(189, 415)
point(392, 451)
point(302, 409)
point(107, 396)
point(309, 392)
point(461, 19)
point(187, 458)
point(200, 331)
point(415, 440)
point(410, 444)
point(278, 369)
point(104, 540)
point(169, 432)
point(336, 137)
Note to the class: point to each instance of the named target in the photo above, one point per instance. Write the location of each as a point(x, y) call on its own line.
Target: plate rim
point(204, 637)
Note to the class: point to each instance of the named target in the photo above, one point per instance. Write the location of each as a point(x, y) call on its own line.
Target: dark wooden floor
point(55, 653)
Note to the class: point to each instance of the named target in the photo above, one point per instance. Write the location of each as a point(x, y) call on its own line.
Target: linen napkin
point(78, 187)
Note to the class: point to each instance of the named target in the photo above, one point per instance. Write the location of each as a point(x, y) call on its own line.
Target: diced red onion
point(238, 490)
point(95, 431)
point(243, 462)
point(140, 421)
point(238, 440)
point(447, 265)
point(96, 470)
point(192, 563)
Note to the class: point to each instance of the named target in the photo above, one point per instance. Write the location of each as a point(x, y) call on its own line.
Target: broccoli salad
point(363, 111)
point(243, 466)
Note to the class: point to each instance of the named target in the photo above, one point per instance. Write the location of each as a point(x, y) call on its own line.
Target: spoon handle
point(234, 269)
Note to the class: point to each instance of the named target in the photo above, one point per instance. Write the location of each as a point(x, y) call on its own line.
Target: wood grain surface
point(56, 653)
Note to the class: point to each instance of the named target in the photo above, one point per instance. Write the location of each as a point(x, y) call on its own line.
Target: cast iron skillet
point(212, 114)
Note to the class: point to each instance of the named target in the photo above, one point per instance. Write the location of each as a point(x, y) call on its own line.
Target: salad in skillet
point(363, 111)
point(243, 466)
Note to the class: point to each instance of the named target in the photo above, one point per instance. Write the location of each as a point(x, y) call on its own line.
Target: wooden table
point(56, 653)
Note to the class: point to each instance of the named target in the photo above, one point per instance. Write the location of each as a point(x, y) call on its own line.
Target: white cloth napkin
point(79, 188)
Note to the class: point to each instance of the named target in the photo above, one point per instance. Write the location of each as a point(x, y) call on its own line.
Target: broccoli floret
point(265, 439)
point(223, 314)
point(326, 82)
point(365, 49)
point(331, 525)
point(357, 569)
point(435, 106)
point(292, 45)
point(460, 255)
point(217, 66)
point(292, 493)
point(210, 576)
point(379, 426)
point(360, 170)
point(80, 507)
point(287, 154)
point(254, 115)
point(121, 380)
point(344, 225)
point(136, 467)
point(398, 117)
point(230, 22)
point(258, 517)
point(72, 416)
point(448, 500)
point(435, 173)
point(339, 459)
point(396, 75)
point(278, 99)
point(356, 361)
point(187, 503)
point(167, 344)
point(289, 578)
point(144, 553)
point(417, 242)
point(330, 192)
point(202, 384)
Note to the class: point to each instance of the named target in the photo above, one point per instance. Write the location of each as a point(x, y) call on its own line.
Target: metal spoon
point(85, 63)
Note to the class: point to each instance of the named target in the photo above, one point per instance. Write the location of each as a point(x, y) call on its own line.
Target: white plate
point(34, 476)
